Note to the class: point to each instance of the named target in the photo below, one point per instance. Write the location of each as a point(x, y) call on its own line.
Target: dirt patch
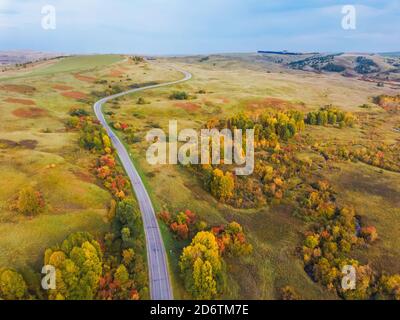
point(24, 89)
point(62, 87)
point(116, 73)
point(29, 112)
point(188, 106)
point(21, 101)
point(84, 78)
point(75, 95)
point(274, 103)
point(209, 103)
point(28, 144)
point(83, 176)
point(5, 144)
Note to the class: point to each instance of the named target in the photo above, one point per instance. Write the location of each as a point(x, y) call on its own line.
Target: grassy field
point(231, 87)
point(64, 65)
point(36, 149)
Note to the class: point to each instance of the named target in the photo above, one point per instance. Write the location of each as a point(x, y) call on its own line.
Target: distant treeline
point(281, 52)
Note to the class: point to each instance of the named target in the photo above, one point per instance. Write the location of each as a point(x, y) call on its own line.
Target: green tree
point(312, 118)
point(127, 215)
point(179, 95)
point(322, 118)
point(78, 264)
point(122, 277)
point(12, 285)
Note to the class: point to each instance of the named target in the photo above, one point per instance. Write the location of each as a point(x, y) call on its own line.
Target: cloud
point(189, 26)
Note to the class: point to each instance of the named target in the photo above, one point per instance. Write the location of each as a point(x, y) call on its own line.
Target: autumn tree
point(201, 266)
point(78, 263)
point(289, 293)
point(12, 285)
point(370, 234)
point(222, 185)
point(127, 256)
point(30, 202)
point(330, 115)
point(389, 287)
point(125, 285)
point(91, 136)
point(364, 284)
point(203, 280)
point(234, 240)
point(182, 224)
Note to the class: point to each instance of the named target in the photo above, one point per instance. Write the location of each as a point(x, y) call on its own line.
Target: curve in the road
point(160, 284)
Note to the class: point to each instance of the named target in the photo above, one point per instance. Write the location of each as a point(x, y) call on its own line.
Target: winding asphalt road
point(160, 284)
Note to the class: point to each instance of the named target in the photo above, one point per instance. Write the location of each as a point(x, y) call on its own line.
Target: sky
point(199, 26)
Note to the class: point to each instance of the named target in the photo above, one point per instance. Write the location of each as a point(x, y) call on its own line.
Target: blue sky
point(199, 26)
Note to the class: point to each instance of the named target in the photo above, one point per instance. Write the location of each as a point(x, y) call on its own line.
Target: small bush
point(141, 100)
point(179, 95)
point(78, 113)
point(30, 202)
point(288, 293)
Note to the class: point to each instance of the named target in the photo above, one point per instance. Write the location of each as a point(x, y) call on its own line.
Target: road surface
point(160, 284)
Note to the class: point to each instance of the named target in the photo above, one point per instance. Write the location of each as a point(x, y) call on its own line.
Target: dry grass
point(274, 232)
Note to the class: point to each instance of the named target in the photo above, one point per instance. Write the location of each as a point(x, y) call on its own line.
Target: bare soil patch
point(31, 112)
point(24, 89)
point(274, 103)
point(84, 78)
point(21, 101)
point(116, 73)
point(75, 95)
point(83, 176)
point(8, 144)
point(62, 87)
point(188, 106)
point(28, 144)
point(5, 144)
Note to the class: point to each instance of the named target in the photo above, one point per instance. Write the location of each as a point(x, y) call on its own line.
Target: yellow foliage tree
point(201, 266)
point(222, 185)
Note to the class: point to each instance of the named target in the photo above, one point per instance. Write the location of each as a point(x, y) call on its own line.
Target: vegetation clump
point(331, 116)
point(12, 285)
point(78, 113)
point(275, 160)
point(202, 267)
point(331, 67)
point(179, 95)
point(30, 201)
point(365, 65)
point(124, 270)
point(78, 263)
point(141, 101)
point(182, 224)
